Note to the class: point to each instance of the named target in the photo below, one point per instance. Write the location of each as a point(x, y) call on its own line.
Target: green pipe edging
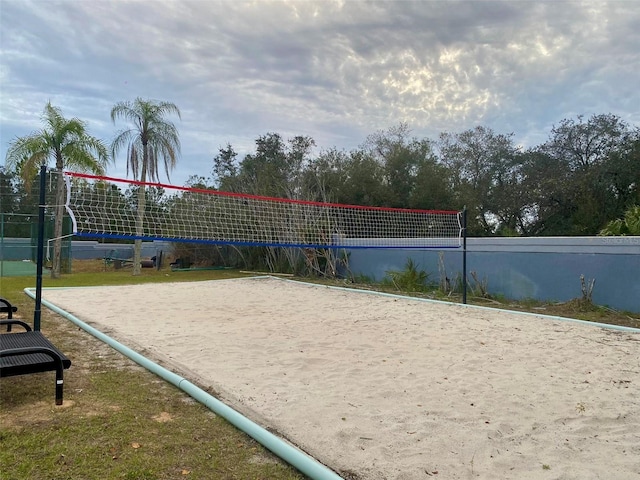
point(287, 452)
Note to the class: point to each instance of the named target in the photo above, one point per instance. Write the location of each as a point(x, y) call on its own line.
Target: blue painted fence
point(22, 249)
point(541, 268)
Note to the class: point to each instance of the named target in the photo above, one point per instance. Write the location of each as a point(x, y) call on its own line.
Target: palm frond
point(151, 137)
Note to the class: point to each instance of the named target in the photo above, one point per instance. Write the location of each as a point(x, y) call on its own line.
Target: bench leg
point(59, 386)
point(48, 351)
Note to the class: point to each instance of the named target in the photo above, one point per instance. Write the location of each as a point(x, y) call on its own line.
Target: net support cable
point(106, 207)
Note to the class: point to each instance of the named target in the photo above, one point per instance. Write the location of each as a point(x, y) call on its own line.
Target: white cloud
point(334, 70)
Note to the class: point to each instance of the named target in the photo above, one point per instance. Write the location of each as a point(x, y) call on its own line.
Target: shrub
point(408, 280)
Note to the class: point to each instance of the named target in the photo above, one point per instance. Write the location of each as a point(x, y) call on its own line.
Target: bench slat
point(33, 363)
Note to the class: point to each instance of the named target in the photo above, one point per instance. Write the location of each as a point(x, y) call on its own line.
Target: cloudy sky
point(333, 70)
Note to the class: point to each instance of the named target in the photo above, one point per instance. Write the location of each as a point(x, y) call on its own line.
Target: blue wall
point(21, 249)
point(85, 250)
point(545, 269)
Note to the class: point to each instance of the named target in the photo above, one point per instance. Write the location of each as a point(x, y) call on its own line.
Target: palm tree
point(150, 138)
point(68, 143)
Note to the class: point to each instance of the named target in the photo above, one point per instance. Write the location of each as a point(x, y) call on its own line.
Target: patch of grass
point(118, 420)
point(571, 309)
point(575, 308)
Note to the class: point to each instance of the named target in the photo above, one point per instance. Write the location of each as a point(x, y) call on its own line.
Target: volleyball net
point(106, 207)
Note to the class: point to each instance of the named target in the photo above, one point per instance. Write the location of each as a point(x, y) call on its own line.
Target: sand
point(382, 387)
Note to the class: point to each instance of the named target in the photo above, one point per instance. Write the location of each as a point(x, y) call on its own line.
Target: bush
point(408, 280)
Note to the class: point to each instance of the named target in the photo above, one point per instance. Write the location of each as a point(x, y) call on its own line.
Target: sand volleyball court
point(381, 387)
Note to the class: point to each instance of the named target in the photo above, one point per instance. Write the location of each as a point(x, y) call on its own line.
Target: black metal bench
point(6, 307)
point(22, 353)
point(119, 258)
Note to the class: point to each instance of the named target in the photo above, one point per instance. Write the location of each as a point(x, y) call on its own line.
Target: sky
point(337, 71)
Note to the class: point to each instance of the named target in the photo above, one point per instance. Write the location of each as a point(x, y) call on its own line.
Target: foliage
point(585, 175)
point(628, 225)
point(225, 169)
point(67, 143)
point(484, 173)
point(149, 139)
point(592, 175)
point(274, 170)
point(411, 279)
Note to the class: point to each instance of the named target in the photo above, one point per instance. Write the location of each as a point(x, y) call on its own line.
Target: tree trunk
point(57, 227)
point(137, 245)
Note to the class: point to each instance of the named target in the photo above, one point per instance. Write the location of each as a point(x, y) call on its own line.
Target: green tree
point(225, 169)
point(627, 225)
point(8, 197)
point(585, 144)
point(507, 201)
point(483, 176)
point(622, 172)
point(149, 139)
point(431, 190)
point(11, 197)
point(364, 180)
point(544, 194)
point(596, 160)
point(67, 142)
point(401, 157)
point(275, 169)
point(325, 177)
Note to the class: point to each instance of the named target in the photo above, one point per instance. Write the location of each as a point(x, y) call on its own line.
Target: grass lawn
point(119, 421)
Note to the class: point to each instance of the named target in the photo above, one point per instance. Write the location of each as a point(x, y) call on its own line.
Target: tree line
point(583, 180)
point(584, 176)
